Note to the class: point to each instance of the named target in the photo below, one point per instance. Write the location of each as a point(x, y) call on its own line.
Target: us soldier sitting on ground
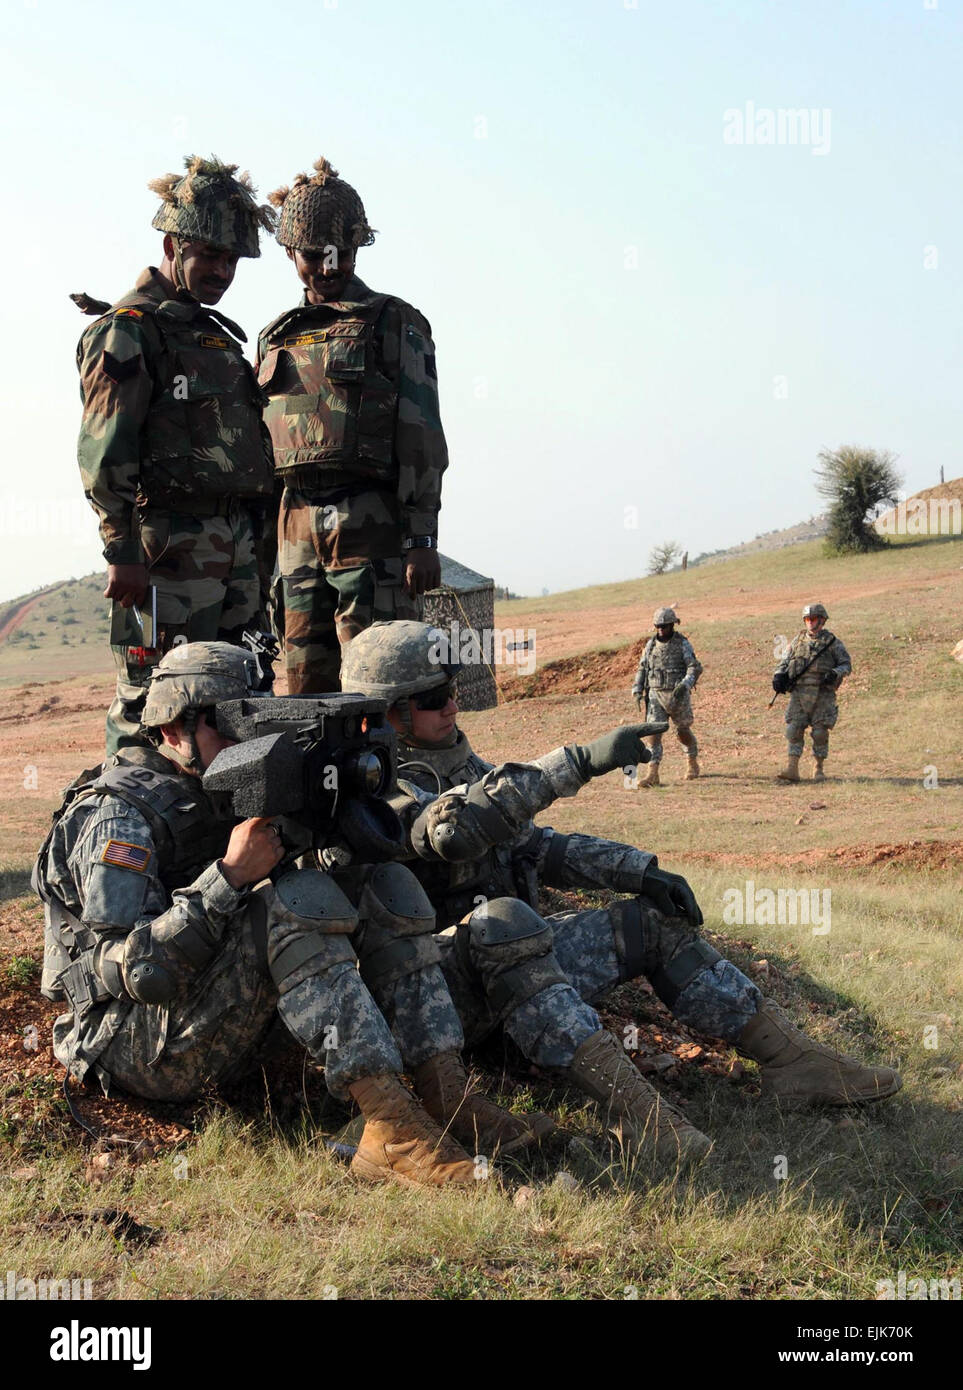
point(173, 970)
point(813, 669)
point(483, 862)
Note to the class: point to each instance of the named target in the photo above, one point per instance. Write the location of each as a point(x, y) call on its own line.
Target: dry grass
point(263, 1209)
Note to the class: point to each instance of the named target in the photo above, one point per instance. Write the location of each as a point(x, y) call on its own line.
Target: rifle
point(793, 683)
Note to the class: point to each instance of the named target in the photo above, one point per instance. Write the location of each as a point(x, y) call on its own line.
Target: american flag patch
point(126, 856)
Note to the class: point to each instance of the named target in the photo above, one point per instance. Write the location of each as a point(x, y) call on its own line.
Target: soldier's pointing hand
point(623, 747)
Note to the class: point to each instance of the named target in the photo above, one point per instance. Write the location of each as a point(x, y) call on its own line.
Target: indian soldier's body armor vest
point(203, 438)
point(665, 663)
point(329, 404)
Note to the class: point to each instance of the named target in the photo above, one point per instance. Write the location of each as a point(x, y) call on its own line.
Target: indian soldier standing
point(353, 413)
point(813, 669)
point(175, 459)
point(663, 685)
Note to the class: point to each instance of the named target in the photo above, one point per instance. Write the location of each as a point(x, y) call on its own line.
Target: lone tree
point(856, 482)
point(664, 556)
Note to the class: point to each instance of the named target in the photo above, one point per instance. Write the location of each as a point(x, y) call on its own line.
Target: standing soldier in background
point(354, 419)
point(174, 457)
point(668, 671)
point(813, 670)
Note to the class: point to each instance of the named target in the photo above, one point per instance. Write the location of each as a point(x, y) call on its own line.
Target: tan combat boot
point(481, 1126)
point(633, 1110)
point(790, 772)
point(401, 1141)
point(818, 774)
point(794, 1068)
point(692, 771)
point(651, 778)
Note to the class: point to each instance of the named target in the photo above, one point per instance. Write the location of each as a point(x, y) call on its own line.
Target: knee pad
point(512, 948)
point(309, 926)
point(393, 899)
point(397, 932)
point(669, 953)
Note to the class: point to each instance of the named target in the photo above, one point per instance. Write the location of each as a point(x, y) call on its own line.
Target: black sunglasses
point(435, 699)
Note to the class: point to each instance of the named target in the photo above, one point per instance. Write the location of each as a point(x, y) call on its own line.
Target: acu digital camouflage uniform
point(594, 949)
point(174, 457)
point(666, 676)
point(501, 854)
point(354, 418)
point(812, 698)
point(172, 976)
point(471, 825)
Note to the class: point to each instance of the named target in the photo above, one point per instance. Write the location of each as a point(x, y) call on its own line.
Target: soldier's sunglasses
point(435, 699)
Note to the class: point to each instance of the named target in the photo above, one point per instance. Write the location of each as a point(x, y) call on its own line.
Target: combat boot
point(692, 771)
point(651, 778)
point(818, 774)
point(401, 1141)
point(478, 1124)
point(633, 1110)
point(790, 772)
point(796, 1069)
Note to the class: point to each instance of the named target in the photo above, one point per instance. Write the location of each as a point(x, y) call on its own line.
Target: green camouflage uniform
point(662, 667)
point(354, 419)
point(812, 703)
point(177, 465)
point(131, 879)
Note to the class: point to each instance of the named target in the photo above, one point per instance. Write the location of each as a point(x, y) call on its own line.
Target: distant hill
point(803, 531)
point(58, 631)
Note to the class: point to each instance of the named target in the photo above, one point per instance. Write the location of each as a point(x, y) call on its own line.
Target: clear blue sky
point(616, 289)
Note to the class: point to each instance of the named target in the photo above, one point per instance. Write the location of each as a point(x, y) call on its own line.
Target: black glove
point(671, 894)
point(780, 682)
point(831, 679)
point(623, 747)
point(678, 692)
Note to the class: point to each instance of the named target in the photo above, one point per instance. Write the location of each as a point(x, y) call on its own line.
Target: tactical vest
point(665, 663)
point(330, 407)
point(187, 838)
point(505, 871)
point(203, 438)
point(802, 651)
point(439, 769)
